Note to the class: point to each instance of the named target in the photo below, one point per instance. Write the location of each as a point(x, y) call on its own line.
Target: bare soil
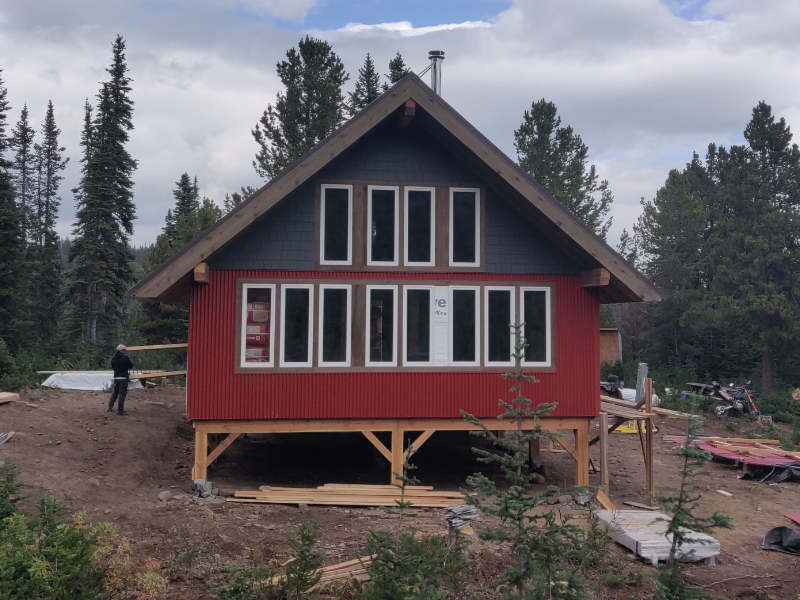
point(116, 468)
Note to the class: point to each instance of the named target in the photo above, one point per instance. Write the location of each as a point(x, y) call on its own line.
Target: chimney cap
point(432, 54)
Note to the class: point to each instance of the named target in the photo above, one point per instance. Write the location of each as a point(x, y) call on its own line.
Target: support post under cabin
point(200, 470)
point(604, 474)
point(397, 455)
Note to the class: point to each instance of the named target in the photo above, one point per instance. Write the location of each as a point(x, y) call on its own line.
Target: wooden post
point(582, 454)
point(604, 452)
point(648, 466)
point(200, 470)
point(397, 455)
point(534, 448)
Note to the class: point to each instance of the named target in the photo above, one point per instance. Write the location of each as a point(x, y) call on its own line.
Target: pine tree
point(24, 170)
point(397, 70)
point(234, 199)
point(100, 252)
point(556, 157)
point(11, 237)
point(309, 109)
point(367, 87)
point(187, 203)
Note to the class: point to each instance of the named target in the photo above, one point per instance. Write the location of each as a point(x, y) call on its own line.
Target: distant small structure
point(610, 345)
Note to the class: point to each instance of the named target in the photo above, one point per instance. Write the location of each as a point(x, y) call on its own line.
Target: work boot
point(122, 413)
point(110, 408)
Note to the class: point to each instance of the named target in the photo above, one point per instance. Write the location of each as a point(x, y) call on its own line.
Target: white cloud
point(407, 29)
point(293, 10)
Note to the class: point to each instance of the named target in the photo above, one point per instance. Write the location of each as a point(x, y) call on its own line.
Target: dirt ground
point(116, 468)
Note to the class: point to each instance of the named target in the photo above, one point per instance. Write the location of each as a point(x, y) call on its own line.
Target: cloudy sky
point(645, 82)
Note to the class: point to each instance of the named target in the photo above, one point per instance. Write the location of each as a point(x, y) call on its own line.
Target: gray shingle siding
point(284, 238)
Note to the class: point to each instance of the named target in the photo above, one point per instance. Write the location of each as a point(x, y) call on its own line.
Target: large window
point(465, 227)
point(417, 324)
point(499, 316)
point(336, 220)
point(383, 221)
point(381, 325)
point(464, 319)
point(257, 325)
point(420, 226)
point(334, 326)
point(535, 314)
point(297, 302)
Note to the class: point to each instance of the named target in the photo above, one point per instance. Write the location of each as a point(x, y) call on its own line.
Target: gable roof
point(172, 280)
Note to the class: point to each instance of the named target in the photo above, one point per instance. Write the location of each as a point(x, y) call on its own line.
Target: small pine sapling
point(670, 583)
point(406, 479)
point(540, 542)
point(304, 572)
point(9, 489)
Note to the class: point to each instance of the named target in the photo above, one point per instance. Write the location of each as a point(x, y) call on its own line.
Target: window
point(498, 318)
point(464, 319)
point(381, 325)
point(535, 314)
point(336, 220)
point(382, 225)
point(257, 325)
point(417, 324)
point(465, 229)
point(334, 326)
point(420, 226)
point(296, 310)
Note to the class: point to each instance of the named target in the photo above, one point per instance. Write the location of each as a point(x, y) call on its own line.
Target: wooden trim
point(417, 443)
point(200, 273)
point(159, 282)
point(409, 110)
point(594, 278)
point(221, 447)
point(378, 445)
point(153, 347)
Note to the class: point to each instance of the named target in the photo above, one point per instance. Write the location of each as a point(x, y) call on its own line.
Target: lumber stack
point(343, 494)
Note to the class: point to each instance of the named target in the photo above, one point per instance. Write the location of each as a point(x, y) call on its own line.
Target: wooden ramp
point(643, 532)
point(350, 495)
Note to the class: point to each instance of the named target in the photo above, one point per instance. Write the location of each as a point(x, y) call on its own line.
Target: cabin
point(370, 287)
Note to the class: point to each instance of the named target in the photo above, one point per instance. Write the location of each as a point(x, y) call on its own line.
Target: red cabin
point(370, 287)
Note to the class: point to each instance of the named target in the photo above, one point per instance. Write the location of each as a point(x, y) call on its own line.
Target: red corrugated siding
point(215, 391)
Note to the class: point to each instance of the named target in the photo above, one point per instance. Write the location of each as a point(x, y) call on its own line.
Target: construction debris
point(5, 437)
point(645, 534)
point(8, 397)
point(351, 495)
point(461, 515)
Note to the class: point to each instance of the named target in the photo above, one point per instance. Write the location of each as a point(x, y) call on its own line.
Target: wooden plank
point(334, 492)
point(200, 471)
point(675, 414)
point(640, 505)
point(157, 374)
point(594, 278)
point(605, 501)
point(343, 502)
point(221, 447)
point(417, 443)
point(201, 273)
point(398, 456)
point(604, 474)
point(378, 445)
point(732, 440)
point(8, 397)
point(151, 347)
point(562, 441)
point(371, 486)
point(648, 435)
point(582, 454)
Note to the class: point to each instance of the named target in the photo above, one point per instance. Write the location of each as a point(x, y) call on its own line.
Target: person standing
point(121, 363)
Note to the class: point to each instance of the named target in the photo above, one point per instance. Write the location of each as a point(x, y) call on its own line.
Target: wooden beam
point(566, 446)
point(648, 434)
point(378, 445)
point(604, 474)
point(200, 470)
point(157, 374)
point(398, 457)
point(417, 443)
point(595, 278)
point(582, 454)
point(153, 347)
point(221, 447)
point(201, 273)
point(409, 110)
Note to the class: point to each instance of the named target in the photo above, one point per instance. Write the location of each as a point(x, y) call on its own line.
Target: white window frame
point(548, 324)
point(432, 261)
point(395, 336)
point(512, 295)
point(477, 262)
point(336, 186)
point(384, 263)
point(477, 361)
point(300, 286)
point(243, 324)
point(320, 325)
point(416, 363)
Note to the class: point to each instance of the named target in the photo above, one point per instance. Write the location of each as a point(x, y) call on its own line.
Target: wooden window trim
point(349, 328)
point(514, 319)
point(477, 290)
point(311, 325)
point(395, 337)
point(548, 304)
point(368, 238)
point(478, 229)
point(321, 241)
point(241, 337)
point(419, 188)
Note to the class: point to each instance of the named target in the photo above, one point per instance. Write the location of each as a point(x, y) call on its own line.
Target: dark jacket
point(121, 363)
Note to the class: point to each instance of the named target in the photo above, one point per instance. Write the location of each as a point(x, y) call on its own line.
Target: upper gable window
point(382, 225)
point(336, 219)
point(465, 227)
point(420, 226)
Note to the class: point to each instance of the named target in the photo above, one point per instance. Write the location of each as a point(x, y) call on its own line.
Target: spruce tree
point(234, 199)
point(556, 157)
point(11, 237)
point(187, 203)
point(397, 70)
point(367, 87)
point(23, 164)
point(100, 252)
point(309, 109)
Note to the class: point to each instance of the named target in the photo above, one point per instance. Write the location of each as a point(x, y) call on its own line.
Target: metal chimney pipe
point(436, 57)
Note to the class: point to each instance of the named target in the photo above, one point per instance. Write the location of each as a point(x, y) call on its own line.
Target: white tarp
point(100, 381)
point(629, 396)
